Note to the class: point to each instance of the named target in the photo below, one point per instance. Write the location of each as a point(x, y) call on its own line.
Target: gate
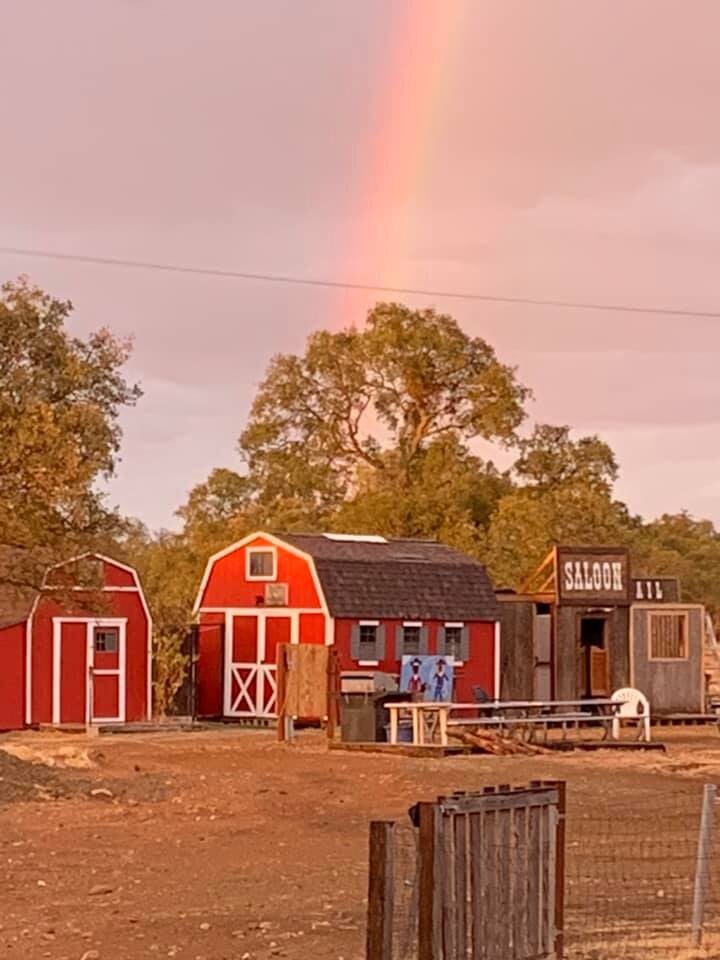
point(490, 878)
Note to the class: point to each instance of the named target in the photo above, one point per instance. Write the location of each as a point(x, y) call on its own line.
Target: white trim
point(368, 623)
point(329, 631)
point(228, 660)
point(267, 611)
point(454, 623)
point(412, 623)
point(368, 663)
point(120, 671)
point(98, 590)
point(276, 541)
point(28, 671)
point(496, 656)
point(56, 633)
point(261, 578)
point(295, 627)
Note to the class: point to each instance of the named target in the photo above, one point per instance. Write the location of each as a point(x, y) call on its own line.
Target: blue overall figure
point(439, 681)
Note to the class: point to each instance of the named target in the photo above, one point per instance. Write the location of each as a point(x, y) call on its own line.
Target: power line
point(344, 285)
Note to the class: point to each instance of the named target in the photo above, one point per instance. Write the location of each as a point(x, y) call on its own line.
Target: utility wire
point(343, 285)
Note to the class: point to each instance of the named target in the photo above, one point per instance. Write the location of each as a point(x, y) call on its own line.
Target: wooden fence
point(490, 874)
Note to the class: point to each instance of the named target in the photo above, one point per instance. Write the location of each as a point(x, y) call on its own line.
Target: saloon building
point(583, 626)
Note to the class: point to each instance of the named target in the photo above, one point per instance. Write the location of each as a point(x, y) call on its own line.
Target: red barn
point(375, 599)
point(75, 663)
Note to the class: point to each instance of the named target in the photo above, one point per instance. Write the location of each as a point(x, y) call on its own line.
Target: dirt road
point(225, 845)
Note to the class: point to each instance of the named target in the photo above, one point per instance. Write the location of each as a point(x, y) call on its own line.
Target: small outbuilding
point(376, 600)
point(583, 626)
point(74, 654)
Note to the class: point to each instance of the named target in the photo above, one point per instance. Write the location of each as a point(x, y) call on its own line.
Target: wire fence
point(630, 884)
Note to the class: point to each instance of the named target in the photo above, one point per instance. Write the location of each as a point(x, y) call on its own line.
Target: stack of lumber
point(494, 743)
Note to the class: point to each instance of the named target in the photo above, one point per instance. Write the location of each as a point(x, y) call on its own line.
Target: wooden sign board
point(593, 575)
point(656, 590)
point(306, 690)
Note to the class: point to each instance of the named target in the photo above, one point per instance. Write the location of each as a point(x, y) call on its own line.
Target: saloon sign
point(592, 576)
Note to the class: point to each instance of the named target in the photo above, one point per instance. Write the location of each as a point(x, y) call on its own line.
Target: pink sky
point(553, 150)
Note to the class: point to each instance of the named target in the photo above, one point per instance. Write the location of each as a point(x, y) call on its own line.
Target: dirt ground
point(224, 845)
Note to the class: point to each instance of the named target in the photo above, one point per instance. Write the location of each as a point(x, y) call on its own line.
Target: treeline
point(371, 429)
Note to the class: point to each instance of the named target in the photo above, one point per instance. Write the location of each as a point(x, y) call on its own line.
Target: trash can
point(358, 717)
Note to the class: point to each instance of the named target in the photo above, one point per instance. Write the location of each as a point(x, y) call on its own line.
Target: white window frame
point(261, 578)
point(368, 623)
point(455, 624)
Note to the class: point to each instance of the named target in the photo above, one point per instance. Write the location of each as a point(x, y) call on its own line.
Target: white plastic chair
point(635, 706)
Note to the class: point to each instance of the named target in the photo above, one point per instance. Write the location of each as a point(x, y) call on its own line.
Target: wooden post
point(560, 870)
point(281, 691)
point(703, 860)
point(333, 694)
point(381, 891)
point(431, 865)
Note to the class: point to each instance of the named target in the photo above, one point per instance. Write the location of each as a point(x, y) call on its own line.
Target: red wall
point(123, 604)
point(478, 671)
point(312, 628)
point(227, 586)
point(209, 676)
point(12, 677)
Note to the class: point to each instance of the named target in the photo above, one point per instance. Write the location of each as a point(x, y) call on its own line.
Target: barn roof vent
point(355, 538)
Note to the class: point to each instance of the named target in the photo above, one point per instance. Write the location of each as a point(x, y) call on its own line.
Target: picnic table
point(429, 718)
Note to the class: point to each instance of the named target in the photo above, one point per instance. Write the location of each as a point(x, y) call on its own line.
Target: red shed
point(67, 663)
point(375, 599)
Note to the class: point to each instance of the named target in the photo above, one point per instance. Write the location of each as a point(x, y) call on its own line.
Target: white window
point(261, 563)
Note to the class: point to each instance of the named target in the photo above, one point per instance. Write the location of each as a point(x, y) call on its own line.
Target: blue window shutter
point(355, 642)
point(380, 643)
point(399, 643)
point(423, 641)
point(465, 644)
point(441, 641)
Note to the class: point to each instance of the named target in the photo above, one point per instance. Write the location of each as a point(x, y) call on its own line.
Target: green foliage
point(681, 546)
point(170, 668)
point(60, 399)
point(373, 401)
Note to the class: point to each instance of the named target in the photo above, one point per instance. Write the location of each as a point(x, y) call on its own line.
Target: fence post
point(430, 912)
point(381, 891)
point(702, 864)
point(561, 788)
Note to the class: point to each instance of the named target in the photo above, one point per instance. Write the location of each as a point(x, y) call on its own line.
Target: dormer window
point(261, 563)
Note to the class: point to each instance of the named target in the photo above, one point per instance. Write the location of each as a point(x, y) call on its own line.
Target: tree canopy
point(60, 399)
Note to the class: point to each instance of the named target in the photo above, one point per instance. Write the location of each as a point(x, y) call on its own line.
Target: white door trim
point(242, 674)
point(120, 671)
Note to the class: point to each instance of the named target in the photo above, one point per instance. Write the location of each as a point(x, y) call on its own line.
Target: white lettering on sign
point(649, 590)
point(593, 576)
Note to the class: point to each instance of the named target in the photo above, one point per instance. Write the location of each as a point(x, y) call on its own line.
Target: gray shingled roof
point(399, 579)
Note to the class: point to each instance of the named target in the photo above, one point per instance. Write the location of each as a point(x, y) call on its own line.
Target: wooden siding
point(671, 686)
point(516, 645)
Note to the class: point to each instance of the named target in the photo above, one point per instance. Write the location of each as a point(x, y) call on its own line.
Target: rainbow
point(397, 159)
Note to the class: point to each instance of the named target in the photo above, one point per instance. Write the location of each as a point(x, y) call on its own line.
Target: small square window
point(106, 640)
point(368, 642)
point(411, 641)
point(453, 642)
point(261, 564)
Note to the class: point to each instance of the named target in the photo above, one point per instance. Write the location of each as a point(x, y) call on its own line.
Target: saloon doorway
point(593, 657)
